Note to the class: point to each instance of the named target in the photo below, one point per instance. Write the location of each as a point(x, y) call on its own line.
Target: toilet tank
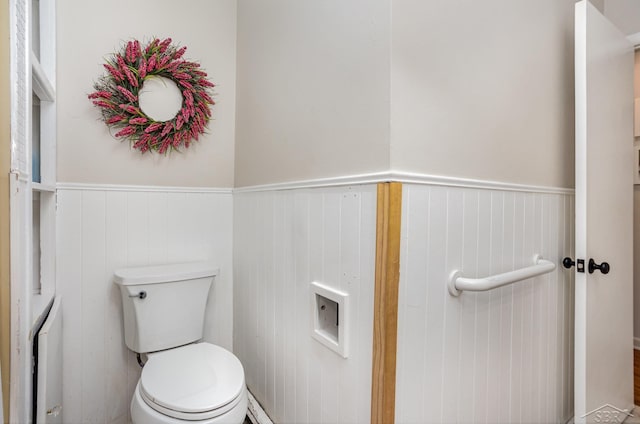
point(164, 305)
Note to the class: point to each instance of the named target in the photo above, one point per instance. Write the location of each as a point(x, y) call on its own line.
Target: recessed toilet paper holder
point(330, 313)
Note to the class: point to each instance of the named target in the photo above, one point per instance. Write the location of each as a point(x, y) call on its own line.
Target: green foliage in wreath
point(116, 95)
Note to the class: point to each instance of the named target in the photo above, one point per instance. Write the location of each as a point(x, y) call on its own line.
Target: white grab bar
point(458, 284)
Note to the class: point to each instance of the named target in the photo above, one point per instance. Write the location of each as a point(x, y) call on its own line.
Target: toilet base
point(141, 413)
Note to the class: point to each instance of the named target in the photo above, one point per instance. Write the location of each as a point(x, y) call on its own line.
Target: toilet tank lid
point(132, 276)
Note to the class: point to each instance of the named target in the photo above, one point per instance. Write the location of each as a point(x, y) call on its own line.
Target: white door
point(604, 218)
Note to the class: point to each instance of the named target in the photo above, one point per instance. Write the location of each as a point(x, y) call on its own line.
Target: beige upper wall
point(625, 14)
point(87, 33)
point(335, 88)
point(599, 4)
point(463, 89)
point(484, 90)
point(636, 75)
point(313, 89)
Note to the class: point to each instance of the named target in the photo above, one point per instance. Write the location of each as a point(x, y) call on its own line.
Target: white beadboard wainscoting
point(284, 240)
point(501, 356)
point(101, 228)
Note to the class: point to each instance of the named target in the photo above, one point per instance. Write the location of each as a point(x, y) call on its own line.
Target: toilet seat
point(192, 382)
point(192, 416)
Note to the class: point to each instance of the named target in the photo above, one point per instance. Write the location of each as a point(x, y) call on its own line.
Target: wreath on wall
point(117, 96)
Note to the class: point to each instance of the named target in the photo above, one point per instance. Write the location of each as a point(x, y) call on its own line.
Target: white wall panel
point(498, 356)
point(284, 240)
point(101, 230)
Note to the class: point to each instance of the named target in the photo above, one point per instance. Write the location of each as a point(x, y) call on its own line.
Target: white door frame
point(635, 40)
point(27, 304)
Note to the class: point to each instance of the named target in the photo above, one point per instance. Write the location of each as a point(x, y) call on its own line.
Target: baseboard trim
point(255, 412)
point(405, 178)
point(141, 188)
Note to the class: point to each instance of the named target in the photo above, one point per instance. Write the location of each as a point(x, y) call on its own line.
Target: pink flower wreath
point(117, 96)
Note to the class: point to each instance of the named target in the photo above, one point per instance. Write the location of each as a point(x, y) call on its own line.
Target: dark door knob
point(603, 267)
point(568, 263)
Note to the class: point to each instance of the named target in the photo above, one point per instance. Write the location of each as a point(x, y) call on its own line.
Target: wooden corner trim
point(385, 312)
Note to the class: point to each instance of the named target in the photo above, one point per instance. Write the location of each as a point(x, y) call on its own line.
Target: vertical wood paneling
point(528, 329)
point(494, 335)
point(284, 240)
point(468, 304)
point(435, 317)
point(289, 358)
point(69, 286)
point(92, 232)
point(215, 221)
point(278, 295)
point(451, 344)
point(350, 282)
point(118, 398)
point(409, 397)
point(501, 356)
point(267, 310)
point(158, 218)
point(554, 322)
point(385, 318)
point(366, 300)
point(138, 242)
point(316, 258)
point(300, 244)
point(481, 332)
point(507, 309)
point(99, 231)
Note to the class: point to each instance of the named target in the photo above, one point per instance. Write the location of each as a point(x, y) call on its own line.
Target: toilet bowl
point(184, 379)
point(143, 414)
point(199, 382)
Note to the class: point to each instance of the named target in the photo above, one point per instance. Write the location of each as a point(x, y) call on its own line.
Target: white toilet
point(183, 380)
